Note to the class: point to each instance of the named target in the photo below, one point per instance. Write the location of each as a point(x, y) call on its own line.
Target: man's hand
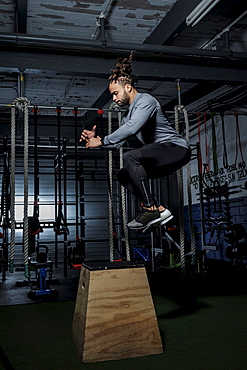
point(94, 142)
point(87, 135)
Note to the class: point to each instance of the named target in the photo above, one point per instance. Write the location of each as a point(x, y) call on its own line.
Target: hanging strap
point(5, 196)
point(60, 224)
point(214, 145)
point(207, 166)
point(5, 208)
point(199, 140)
point(225, 159)
point(238, 141)
point(34, 225)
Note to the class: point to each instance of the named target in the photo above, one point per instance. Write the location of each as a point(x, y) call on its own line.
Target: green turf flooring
point(201, 329)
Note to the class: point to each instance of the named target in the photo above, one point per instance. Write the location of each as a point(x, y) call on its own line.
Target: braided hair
point(123, 71)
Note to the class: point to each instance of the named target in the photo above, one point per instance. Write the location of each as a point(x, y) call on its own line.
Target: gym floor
point(15, 288)
point(202, 320)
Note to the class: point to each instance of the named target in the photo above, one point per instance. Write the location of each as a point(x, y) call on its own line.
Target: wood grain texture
point(114, 316)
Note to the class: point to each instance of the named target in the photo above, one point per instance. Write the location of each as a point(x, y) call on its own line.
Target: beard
point(124, 100)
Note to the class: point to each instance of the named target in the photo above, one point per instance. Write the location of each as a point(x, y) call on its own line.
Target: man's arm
point(140, 115)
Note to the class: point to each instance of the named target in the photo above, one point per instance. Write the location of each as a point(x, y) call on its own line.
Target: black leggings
point(150, 162)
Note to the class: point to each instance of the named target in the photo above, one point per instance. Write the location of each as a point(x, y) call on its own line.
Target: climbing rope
point(191, 223)
point(25, 103)
point(123, 200)
point(181, 202)
point(181, 197)
point(22, 104)
point(110, 193)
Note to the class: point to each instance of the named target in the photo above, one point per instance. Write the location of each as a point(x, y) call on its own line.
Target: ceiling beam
point(161, 68)
point(43, 44)
point(173, 23)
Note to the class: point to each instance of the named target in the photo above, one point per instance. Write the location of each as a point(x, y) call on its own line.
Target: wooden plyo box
point(114, 315)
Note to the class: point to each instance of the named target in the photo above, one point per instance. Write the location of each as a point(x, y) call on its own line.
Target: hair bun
point(123, 67)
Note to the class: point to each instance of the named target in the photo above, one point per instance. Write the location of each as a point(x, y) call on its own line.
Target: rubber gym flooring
point(202, 320)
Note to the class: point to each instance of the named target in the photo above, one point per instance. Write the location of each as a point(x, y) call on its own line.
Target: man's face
point(119, 93)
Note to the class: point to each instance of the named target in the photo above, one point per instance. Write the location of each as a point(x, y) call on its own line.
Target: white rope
point(181, 203)
point(22, 104)
point(181, 199)
point(111, 239)
point(123, 200)
point(25, 103)
point(189, 193)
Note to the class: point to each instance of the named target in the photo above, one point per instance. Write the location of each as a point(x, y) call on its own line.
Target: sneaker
point(165, 216)
point(145, 219)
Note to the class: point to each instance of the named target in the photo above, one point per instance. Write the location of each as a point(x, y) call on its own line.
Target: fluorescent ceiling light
point(200, 11)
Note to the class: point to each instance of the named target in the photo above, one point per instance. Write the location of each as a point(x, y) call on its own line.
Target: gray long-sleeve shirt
point(145, 119)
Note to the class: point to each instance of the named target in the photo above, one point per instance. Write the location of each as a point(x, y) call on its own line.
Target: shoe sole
point(161, 223)
point(166, 220)
point(147, 226)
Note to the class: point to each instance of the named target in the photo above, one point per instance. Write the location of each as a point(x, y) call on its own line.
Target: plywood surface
point(117, 314)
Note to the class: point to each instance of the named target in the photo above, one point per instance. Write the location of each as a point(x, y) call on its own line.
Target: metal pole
point(36, 169)
point(65, 249)
point(179, 91)
point(58, 177)
point(5, 210)
point(109, 109)
point(115, 109)
point(55, 188)
point(76, 174)
point(201, 197)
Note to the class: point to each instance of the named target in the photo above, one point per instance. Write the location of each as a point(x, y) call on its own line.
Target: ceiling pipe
point(104, 15)
point(94, 45)
point(226, 29)
point(21, 82)
point(200, 11)
point(100, 26)
point(102, 29)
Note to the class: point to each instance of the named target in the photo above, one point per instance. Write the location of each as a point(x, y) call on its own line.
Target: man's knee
point(126, 156)
point(130, 157)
